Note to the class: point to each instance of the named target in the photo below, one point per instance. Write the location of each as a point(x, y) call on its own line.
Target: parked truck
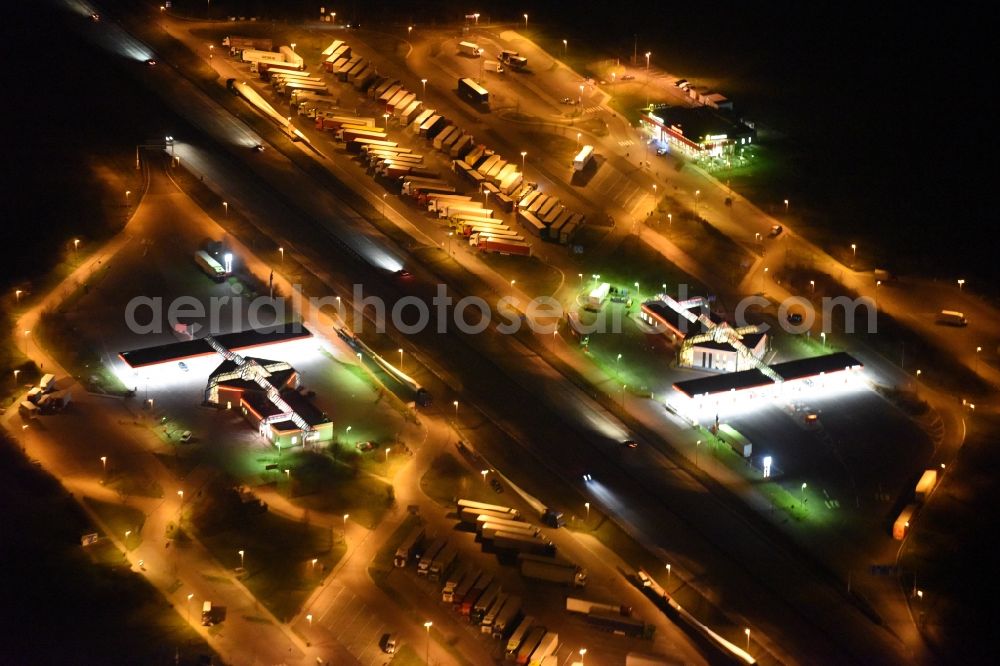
point(475, 592)
point(484, 602)
point(735, 440)
point(528, 645)
point(423, 567)
point(902, 525)
point(518, 633)
point(459, 594)
point(547, 646)
point(523, 544)
point(443, 563)
point(506, 247)
point(408, 549)
point(925, 485)
point(414, 185)
point(554, 570)
point(473, 93)
point(489, 531)
point(486, 626)
point(470, 49)
point(505, 620)
point(513, 59)
point(455, 578)
point(585, 606)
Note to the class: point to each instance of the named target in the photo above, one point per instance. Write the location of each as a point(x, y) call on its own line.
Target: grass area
point(383, 558)
point(94, 613)
point(532, 272)
point(950, 550)
point(120, 518)
point(333, 482)
point(447, 480)
point(77, 354)
point(278, 552)
point(634, 261)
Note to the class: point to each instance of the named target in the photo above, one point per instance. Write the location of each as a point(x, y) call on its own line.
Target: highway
point(510, 368)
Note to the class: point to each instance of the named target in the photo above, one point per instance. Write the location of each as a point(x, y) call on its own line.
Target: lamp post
point(803, 496)
point(423, 82)
point(387, 455)
point(578, 135)
point(697, 448)
point(763, 278)
point(225, 207)
point(565, 47)
point(455, 403)
point(76, 244)
point(822, 334)
point(309, 619)
point(854, 251)
point(409, 30)
point(618, 365)
point(476, 16)
point(314, 561)
point(104, 460)
point(400, 350)
point(960, 284)
point(347, 435)
point(978, 349)
point(747, 632)
point(786, 205)
point(484, 472)
point(429, 624)
point(525, 21)
point(587, 506)
point(346, 516)
point(524, 154)
point(916, 385)
point(281, 251)
point(583, 653)
point(26, 334)
point(242, 555)
point(16, 373)
point(669, 571)
point(17, 295)
point(189, 598)
point(128, 193)
point(878, 283)
point(812, 286)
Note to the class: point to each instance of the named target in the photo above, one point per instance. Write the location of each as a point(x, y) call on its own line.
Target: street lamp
point(225, 206)
point(16, 373)
point(854, 249)
point(76, 244)
point(189, 598)
point(763, 277)
point(525, 21)
point(618, 364)
point(524, 154)
point(978, 349)
point(17, 295)
point(387, 454)
point(104, 459)
point(822, 334)
point(242, 554)
point(476, 16)
point(747, 632)
point(409, 30)
point(578, 135)
point(960, 284)
point(400, 350)
point(346, 516)
point(281, 250)
point(648, 53)
point(423, 82)
point(456, 409)
point(127, 194)
point(583, 653)
point(804, 486)
point(309, 619)
point(429, 624)
point(484, 472)
point(587, 506)
point(786, 205)
point(347, 434)
point(314, 561)
point(812, 285)
point(669, 571)
point(565, 46)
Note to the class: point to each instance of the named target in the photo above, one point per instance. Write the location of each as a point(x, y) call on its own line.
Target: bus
point(473, 93)
point(209, 266)
point(482, 506)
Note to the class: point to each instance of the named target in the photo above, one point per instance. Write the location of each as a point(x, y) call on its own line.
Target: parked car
point(495, 485)
point(186, 436)
point(364, 446)
point(183, 366)
point(776, 230)
point(627, 77)
point(389, 643)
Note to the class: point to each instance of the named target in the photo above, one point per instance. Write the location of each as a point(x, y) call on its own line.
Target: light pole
point(455, 403)
point(128, 533)
point(916, 385)
point(803, 497)
point(525, 21)
point(281, 251)
point(189, 598)
point(648, 53)
point(17, 295)
point(524, 155)
point(409, 30)
point(423, 82)
point(242, 554)
point(822, 335)
point(854, 250)
point(387, 455)
point(587, 506)
point(978, 349)
point(400, 350)
point(76, 244)
point(565, 47)
point(578, 135)
point(429, 624)
point(812, 286)
point(128, 193)
point(314, 561)
point(309, 619)
point(960, 284)
point(346, 516)
point(386, 116)
point(347, 435)
point(583, 653)
point(476, 16)
point(104, 460)
point(484, 472)
point(763, 278)
point(383, 204)
point(747, 632)
point(697, 448)
point(618, 365)
point(26, 334)
point(670, 220)
point(878, 283)
point(786, 205)
point(16, 373)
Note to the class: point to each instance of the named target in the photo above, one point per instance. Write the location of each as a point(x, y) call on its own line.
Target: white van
point(206, 614)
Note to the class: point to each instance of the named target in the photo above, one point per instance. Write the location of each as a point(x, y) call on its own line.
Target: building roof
point(178, 351)
point(279, 374)
point(676, 321)
point(699, 122)
point(751, 340)
point(800, 369)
